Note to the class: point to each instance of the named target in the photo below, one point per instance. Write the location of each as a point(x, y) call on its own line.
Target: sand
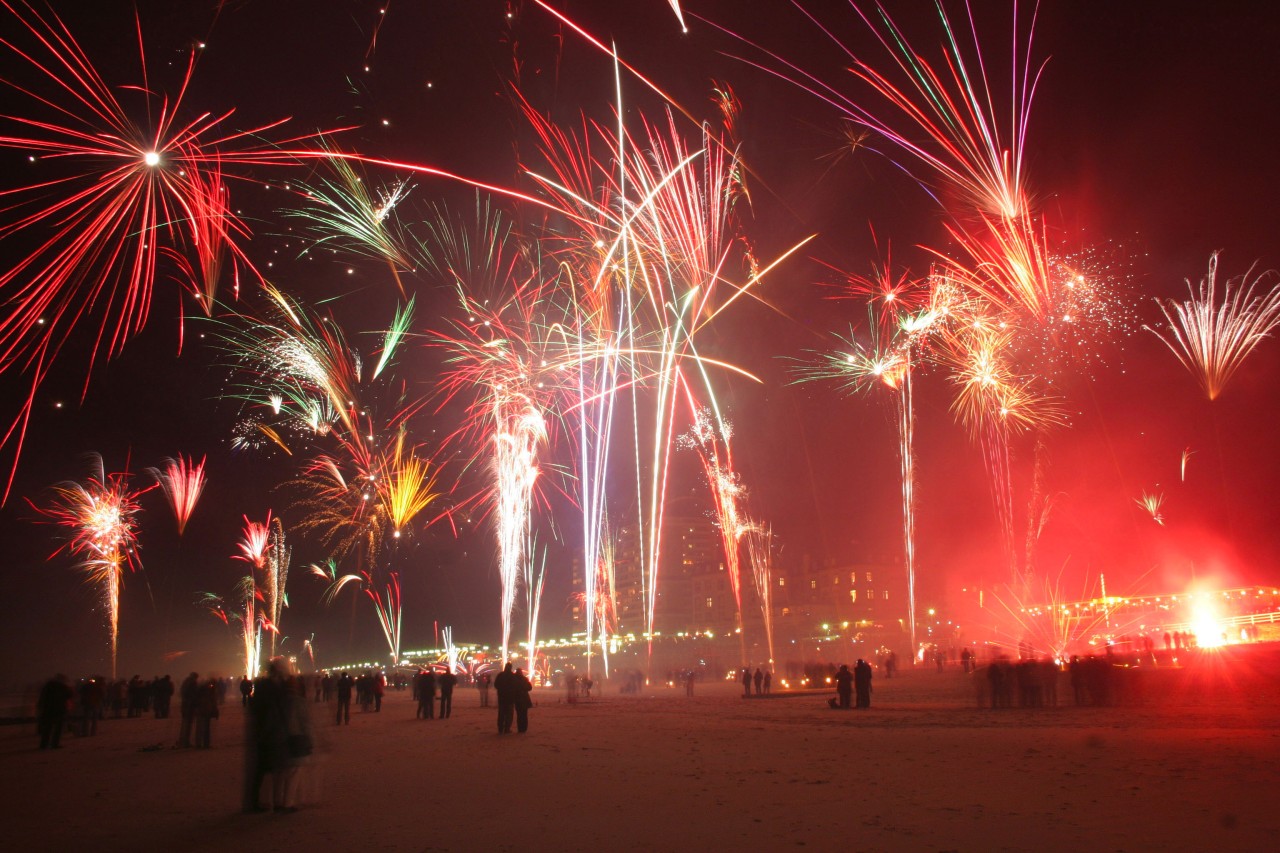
point(1193, 768)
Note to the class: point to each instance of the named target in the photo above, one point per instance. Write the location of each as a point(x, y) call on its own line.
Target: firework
point(386, 603)
point(1186, 457)
point(101, 515)
point(182, 481)
point(1152, 502)
point(113, 197)
point(760, 552)
point(710, 437)
point(263, 547)
point(1213, 336)
point(342, 213)
point(405, 485)
point(335, 582)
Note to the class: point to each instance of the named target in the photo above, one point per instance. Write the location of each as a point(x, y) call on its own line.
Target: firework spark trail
point(275, 575)
point(182, 481)
point(498, 359)
point(406, 485)
point(949, 110)
point(101, 515)
point(1152, 502)
point(386, 604)
point(1212, 337)
point(760, 553)
point(250, 625)
point(1186, 456)
point(1046, 620)
point(450, 650)
point(888, 363)
point(335, 582)
point(535, 576)
point(710, 438)
point(263, 548)
point(519, 429)
point(343, 214)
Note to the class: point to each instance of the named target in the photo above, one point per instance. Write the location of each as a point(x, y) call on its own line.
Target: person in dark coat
point(447, 682)
point(862, 682)
point(205, 712)
point(844, 685)
point(187, 697)
point(523, 701)
point(246, 690)
point(91, 695)
point(344, 699)
point(746, 682)
point(506, 686)
point(427, 698)
point(51, 711)
point(267, 750)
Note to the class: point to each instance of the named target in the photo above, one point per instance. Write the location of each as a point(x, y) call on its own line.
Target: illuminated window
point(708, 602)
point(835, 580)
point(786, 611)
point(813, 584)
point(871, 593)
point(868, 577)
point(853, 578)
point(853, 596)
point(782, 581)
point(886, 595)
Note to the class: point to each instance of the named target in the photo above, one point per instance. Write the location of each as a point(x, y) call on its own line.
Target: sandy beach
point(1192, 767)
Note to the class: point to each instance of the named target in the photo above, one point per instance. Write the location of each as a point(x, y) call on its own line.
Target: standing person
point(482, 684)
point(91, 695)
point(862, 682)
point(844, 685)
point(51, 711)
point(746, 682)
point(206, 711)
point(344, 699)
point(758, 678)
point(427, 699)
point(523, 701)
point(768, 682)
point(269, 712)
point(246, 690)
point(187, 707)
point(506, 686)
point(379, 689)
point(164, 695)
point(447, 682)
point(688, 682)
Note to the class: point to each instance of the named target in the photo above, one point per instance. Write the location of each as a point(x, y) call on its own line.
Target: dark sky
point(1151, 141)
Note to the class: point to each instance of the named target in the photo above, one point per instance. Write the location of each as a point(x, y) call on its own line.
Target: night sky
point(1151, 145)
